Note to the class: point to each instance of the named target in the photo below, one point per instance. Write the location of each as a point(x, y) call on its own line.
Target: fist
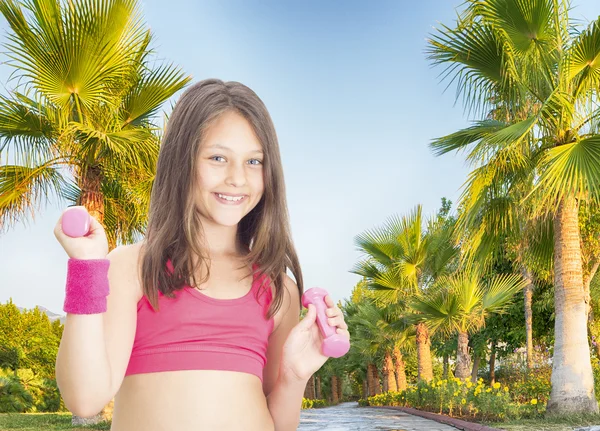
point(93, 245)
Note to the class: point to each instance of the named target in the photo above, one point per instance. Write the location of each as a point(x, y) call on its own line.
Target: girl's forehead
point(231, 132)
point(234, 146)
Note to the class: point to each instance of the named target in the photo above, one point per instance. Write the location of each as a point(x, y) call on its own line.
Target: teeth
point(230, 198)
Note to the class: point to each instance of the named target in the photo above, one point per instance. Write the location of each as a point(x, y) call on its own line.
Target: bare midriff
point(191, 400)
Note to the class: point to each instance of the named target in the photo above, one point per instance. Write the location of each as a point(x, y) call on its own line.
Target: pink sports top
point(196, 332)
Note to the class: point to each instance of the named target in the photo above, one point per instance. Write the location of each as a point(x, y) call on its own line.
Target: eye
point(216, 157)
point(256, 160)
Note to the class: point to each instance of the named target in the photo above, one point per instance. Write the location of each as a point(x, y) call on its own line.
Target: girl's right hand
point(93, 245)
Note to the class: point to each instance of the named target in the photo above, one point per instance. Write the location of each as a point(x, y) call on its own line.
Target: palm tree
point(355, 362)
point(494, 218)
point(526, 57)
point(403, 259)
point(462, 304)
point(80, 124)
point(361, 351)
point(382, 332)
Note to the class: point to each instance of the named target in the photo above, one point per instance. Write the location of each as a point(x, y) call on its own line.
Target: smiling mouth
point(229, 199)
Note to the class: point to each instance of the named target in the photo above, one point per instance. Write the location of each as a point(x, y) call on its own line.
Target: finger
point(309, 317)
point(96, 227)
point(337, 321)
point(334, 311)
point(344, 332)
point(329, 302)
point(58, 232)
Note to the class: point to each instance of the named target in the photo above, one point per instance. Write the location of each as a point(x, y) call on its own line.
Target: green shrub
point(313, 404)
point(14, 398)
point(28, 392)
point(463, 398)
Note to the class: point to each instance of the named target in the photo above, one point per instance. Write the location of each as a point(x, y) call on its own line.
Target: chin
point(228, 223)
point(226, 220)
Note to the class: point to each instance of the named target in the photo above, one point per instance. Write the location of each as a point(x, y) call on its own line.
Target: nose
point(236, 175)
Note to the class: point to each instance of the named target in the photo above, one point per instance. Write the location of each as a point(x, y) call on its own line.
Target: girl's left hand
point(301, 356)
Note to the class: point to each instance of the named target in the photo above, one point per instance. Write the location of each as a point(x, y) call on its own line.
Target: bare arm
point(95, 349)
point(284, 392)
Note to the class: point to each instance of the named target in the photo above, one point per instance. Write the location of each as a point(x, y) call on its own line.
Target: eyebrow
point(223, 147)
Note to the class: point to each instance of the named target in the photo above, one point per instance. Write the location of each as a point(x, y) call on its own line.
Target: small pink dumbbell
point(76, 222)
point(334, 345)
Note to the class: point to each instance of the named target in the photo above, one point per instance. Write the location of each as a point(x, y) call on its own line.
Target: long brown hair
point(174, 228)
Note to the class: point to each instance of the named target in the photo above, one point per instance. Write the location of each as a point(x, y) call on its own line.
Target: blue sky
point(355, 103)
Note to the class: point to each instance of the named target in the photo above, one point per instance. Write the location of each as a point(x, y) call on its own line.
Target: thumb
point(310, 317)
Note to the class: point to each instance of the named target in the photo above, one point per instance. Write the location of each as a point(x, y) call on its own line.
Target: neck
point(221, 241)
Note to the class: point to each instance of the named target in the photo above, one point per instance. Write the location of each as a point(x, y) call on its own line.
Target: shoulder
point(125, 266)
point(290, 289)
point(290, 306)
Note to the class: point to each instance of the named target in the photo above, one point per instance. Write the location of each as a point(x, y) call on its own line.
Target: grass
point(563, 423)
point(44, 421)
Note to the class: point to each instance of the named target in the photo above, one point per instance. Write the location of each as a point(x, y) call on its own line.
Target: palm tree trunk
point(463, 359)
point(318, 387)
point(365, 389)
point(572, 378)
point(493, 364)
point(528, 294)
point(425, 367)
point(91, 195)
point(309, 391)
point(385, 381)
point(389, 379)
point(373, 375)
point(475, 371)
point(93, 200)
point(334, 390)
point(400, 369)
point(340, 388)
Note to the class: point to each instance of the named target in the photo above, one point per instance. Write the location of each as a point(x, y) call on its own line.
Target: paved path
point(349, 417)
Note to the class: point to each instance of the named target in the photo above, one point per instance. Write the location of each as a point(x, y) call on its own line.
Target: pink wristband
point(87, 286)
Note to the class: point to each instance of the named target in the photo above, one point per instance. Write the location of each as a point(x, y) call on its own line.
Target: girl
point(200, 329)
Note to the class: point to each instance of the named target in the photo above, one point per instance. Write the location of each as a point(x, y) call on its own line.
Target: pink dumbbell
point(76, 222)
point(334, 345)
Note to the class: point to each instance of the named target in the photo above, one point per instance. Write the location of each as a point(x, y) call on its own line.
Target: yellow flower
point(463, 401)
point(497, 385)
point(533, 402)
point(469, 385)
point(455, 394)
point(488, 390)
point(505, 388)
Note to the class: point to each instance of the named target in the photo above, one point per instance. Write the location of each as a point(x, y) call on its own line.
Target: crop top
point(196, 332)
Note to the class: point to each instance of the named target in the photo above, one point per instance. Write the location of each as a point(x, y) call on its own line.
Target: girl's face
point(229, 179)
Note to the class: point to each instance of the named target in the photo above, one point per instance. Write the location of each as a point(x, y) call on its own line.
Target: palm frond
point(584, 60)
point(23, 187)
point(474, 55)
point(570, 170)
point(26, 128)
point(150, 91)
